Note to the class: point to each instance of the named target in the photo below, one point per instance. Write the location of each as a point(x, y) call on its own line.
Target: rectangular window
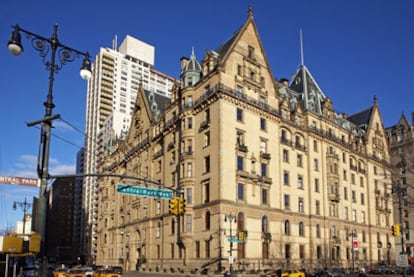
point(264, 196)
point(206, 164)
point(315, 165)
point(206, 139)
point(250, 53)
point(239, 114)
point(263, 146)
point(189, 192)
point(190, 123)
point(206, 192)
point(353, 215)
point(189, 170)
point(301, 207)
point(317, 207)
point(239, 91)
point(240, 138)
point(207, 248)
point(345, 194)
point(285, 155)
point(300, 182)
point(302, 252)
point(197, 249)
point(315, 145)
point(286, 178)
point(262, 124)
point(240, 191)
point(317, 185)
point(239, 70)
point(286, 202)
point(299, 160)
point(353, 196)
point(240, 162)
point(287, 251)
point(189, 223)
point(362, 199)
point(264, 170)
point(172, 245)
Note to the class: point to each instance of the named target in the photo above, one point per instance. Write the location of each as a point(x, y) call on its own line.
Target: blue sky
point(355, 49)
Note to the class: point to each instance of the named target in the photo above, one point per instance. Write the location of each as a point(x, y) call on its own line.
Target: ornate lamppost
point(25, 206)
point(60, 54)
point(230, 218)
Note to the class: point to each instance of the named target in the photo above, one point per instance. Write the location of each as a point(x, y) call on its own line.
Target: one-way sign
point(146, 192)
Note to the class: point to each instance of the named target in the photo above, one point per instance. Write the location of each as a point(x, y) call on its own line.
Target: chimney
point(184, 61)
point(284, 82)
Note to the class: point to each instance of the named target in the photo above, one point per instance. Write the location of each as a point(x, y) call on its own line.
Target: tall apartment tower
point(401, 143)
point(116, 77)
point(273, 177)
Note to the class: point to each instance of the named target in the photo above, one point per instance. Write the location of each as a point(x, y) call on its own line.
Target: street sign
point(403, 262)
point(146, 192)
point(236, 240)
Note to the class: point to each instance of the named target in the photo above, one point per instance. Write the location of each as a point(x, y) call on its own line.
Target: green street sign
point(236, 240)
point(146, 192)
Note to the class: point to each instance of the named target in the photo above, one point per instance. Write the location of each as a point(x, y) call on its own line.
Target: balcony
point(334, 197)
point(171, 145)
point(242, 148)
point(265, 156)
point(204, 125)
point(285, 141)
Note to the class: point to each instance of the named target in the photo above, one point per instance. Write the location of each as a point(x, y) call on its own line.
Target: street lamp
point(230, 218)
point(353, 237)
point(25, 206)
point(59, 55)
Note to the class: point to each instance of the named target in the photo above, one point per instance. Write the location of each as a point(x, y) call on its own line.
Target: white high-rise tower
point(116, 77)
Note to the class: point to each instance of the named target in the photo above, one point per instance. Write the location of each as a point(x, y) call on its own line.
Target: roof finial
point(302, 58)
point(375, 100)
point(192, 53)
point(250, 11)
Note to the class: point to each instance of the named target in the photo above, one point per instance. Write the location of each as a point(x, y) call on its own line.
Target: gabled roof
point(224, 48)
point(402, 122)
point(362, 118)
point(312, 95)
point(156, 102)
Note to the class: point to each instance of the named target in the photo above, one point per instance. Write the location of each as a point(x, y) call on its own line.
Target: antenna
point(302, 58)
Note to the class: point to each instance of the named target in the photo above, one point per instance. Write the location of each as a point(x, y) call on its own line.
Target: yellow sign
point(12, 244)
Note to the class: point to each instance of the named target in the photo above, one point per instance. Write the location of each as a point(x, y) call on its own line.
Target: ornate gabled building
point(271, 174)
point(401, 142)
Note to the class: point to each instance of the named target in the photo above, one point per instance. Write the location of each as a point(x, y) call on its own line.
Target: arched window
point(207, 220)
point(264, 224)
point(301, 229)
point(287, 227)
point(241, 250)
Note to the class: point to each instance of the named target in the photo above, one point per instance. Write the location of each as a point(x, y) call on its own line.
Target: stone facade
point(271, 174)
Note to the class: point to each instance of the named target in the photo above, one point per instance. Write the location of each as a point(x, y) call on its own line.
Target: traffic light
point(395, 229)
point(181, 205)
point(173, 205)
point(241, 236)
